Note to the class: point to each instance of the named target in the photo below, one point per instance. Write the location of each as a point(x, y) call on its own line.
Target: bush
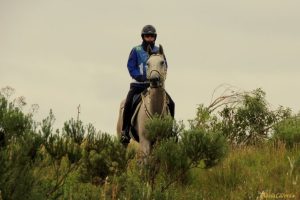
point(77, 162)
point(288, 130)
point(18, 150)
point(179, 151)
point(244, 118)
point(36, 162)
point(200, 145)
point(163, 128)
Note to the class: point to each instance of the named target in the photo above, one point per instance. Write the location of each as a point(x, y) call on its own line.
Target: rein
point(149, 114)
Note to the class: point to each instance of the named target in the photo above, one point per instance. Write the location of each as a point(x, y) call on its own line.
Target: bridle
point(162, 76)
point(160, 81)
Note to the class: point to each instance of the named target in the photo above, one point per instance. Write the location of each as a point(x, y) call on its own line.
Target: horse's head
point(156, 67)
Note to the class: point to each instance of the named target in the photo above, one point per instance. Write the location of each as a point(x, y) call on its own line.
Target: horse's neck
point(156, 101)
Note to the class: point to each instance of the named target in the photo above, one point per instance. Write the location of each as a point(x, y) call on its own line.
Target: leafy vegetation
point(288, 130)
point(235, 148)
point(244, 118)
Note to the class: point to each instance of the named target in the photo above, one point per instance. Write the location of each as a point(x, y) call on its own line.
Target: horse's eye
point(162, 62)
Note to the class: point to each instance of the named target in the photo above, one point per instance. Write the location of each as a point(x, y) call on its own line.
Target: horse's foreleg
point(145, 147)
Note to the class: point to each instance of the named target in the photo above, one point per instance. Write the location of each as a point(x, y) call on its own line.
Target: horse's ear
point(161, 50)
point(149, 50)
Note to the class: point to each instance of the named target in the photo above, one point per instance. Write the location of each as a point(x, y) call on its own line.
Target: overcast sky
point(62, 53)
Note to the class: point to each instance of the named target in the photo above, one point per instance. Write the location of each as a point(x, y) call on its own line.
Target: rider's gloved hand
point(139, 78)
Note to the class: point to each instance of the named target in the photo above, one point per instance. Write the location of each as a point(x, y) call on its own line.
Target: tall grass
point(249, 173)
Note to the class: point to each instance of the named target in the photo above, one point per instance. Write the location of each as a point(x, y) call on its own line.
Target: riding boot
point(125, 137)
point(171, 106)
point(172, 110)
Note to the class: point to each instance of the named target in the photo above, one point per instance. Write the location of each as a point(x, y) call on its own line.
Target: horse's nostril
point(154, 79)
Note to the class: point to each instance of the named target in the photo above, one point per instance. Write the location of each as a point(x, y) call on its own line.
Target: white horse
point(154, 100)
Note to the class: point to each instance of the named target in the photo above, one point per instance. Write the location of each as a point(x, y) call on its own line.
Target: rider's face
point(149, 38)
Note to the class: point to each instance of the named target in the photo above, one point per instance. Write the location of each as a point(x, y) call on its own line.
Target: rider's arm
point(132, 65)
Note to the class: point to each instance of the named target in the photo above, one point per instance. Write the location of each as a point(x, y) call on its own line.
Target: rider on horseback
point(137, 69)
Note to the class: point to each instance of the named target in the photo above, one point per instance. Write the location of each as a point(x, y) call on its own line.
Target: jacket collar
point(145, 45)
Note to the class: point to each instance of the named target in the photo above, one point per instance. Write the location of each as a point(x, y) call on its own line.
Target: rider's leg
point(171, 105)
point(125, 138)
point(127, 113)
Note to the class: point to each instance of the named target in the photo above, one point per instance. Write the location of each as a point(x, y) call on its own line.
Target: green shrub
point(200, 145)
point(288, 130)
point(163, 128)
point(179, 151)
point(77, 162)
point(244, 118)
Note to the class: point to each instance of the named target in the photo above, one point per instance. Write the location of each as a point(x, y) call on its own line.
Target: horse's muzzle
point(154, 79)
point(154, 76)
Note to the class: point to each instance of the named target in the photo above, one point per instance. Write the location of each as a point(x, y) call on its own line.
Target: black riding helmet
point(149, 30)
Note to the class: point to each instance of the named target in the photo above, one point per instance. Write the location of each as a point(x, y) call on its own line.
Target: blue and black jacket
point(137, 62)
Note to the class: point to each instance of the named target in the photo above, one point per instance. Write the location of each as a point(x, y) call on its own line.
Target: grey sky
point(59, 54)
